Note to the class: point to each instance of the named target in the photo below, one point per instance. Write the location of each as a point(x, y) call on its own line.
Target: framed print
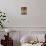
point(23, 10)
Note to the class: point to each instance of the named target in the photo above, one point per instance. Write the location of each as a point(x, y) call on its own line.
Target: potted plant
point(2, 19)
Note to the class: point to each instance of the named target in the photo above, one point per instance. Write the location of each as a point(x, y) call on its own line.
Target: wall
point(35, 19)
point(17, 35)
point(36, 16)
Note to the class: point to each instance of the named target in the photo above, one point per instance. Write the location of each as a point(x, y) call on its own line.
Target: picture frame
point(23, 10)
